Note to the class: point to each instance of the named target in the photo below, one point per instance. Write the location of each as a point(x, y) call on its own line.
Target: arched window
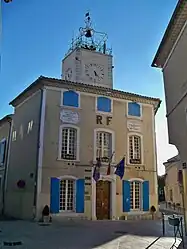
point(67, 195)
point(134, 109)
point(2, 151)
point(69, 143)
point(70, 98)
point(104, 104)
point(135, 195)
point(104, 144)
point(135, 149)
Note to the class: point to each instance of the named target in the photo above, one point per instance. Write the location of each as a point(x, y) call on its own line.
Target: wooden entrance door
point(103, 200)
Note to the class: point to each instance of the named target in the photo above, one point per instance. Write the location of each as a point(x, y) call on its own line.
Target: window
point(171, 195)
point(67, 195)
point(134, 109)
point(135, 195)
point(103, 145)
point(70, 98)
point(14, 136)
point(135, 150)
point(180, 177)
point(21, 131)
point(69, 143)
point(30, 125)
point(2, 151)
point(104, 104)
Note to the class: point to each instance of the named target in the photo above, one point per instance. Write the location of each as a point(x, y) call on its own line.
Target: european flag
point(120, 168)
point(96, 173)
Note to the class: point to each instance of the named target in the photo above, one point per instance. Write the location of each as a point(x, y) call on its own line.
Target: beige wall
point(52, 166)
point(23, 159)
point(171, 183)
point(4, 134)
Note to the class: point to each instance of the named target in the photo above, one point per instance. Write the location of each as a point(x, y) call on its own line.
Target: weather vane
point(89, 38)
point(88, 30)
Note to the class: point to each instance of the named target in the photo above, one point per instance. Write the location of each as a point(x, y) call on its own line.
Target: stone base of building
point(145, 216)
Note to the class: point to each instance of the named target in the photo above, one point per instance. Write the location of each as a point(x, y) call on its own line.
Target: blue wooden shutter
point(145, 189)
point(134, 109)
point(80, 196)
point(71, 98)
point(104, 104)
point(126, 196)
point(55, 195)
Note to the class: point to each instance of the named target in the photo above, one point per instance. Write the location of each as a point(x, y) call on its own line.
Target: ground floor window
point(67, 195)
point(135, 195)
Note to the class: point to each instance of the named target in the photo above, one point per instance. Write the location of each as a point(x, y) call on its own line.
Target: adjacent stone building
point(5, 135)
point(171, 57)
point(173, 183)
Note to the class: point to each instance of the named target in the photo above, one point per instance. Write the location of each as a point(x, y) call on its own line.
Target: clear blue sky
point(37, 33)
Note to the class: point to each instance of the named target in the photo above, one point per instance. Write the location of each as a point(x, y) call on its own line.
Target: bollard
point(163, 224)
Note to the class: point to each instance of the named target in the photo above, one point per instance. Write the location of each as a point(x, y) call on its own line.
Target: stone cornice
point(52, 82)
point(7, 118)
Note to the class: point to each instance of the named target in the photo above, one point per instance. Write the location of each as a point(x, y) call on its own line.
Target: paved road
point(87, 235)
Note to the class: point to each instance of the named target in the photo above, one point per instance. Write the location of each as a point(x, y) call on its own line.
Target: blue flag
point(96, 173)
point(120, 168)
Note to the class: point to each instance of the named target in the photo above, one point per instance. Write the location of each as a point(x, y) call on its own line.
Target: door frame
point(112, 180)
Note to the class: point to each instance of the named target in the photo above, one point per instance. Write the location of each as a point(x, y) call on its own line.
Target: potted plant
point(45, 214)
point(152, 210)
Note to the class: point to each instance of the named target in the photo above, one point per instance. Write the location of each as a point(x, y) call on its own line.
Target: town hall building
point(61, 126)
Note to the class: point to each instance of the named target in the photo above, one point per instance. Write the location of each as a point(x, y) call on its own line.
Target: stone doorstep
point(68, 217)
point(141, 217)
point(146, 216)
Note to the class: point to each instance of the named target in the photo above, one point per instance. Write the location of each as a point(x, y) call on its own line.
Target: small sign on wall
point(68, 116)
point(134, 126)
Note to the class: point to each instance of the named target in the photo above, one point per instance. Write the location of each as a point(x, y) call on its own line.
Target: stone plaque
point(134, 126)
point(70, 117)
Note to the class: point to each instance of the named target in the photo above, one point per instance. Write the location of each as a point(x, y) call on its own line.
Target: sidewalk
point(89, 235)
point(169, 210)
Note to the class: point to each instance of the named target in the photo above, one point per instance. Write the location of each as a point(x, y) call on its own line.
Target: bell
point(88, 33)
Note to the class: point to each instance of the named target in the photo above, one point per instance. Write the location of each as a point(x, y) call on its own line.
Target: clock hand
point(95, 73)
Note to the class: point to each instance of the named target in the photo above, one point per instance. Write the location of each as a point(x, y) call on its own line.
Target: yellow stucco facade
point(43, 117)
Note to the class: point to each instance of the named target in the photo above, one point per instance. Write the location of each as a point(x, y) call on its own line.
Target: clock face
point(68, 74)
point(94, 72)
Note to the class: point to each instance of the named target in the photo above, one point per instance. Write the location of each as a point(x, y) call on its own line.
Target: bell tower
point(89, 60)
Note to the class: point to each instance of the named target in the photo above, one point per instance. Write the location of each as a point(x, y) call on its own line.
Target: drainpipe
point(37, 158)
point(7, 159)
